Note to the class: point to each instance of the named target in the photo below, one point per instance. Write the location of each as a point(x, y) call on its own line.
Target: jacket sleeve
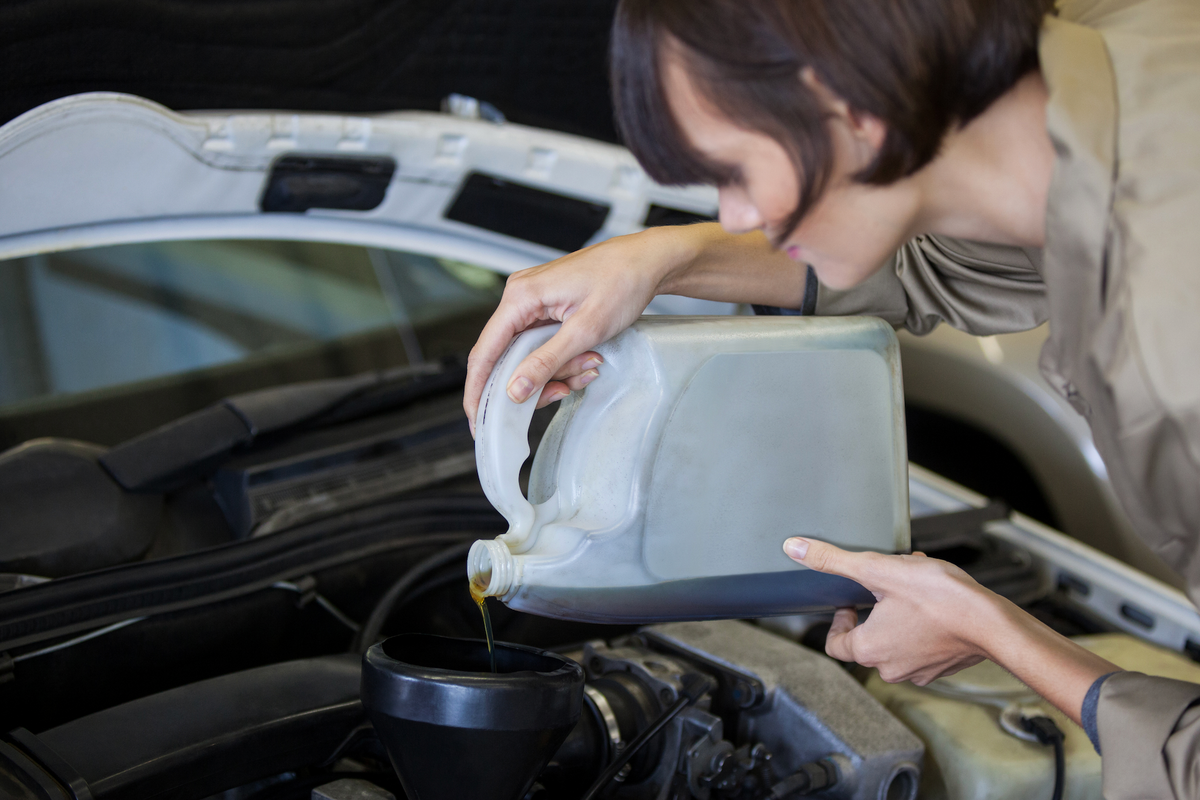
point(1149, 737)
point(979, 288)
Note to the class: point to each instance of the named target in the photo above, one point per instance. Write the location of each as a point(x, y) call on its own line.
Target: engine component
point(454, 729)
point(959, 537)
point(351, 789)
point(798, 705)
point(61, 514)
point(694, 686)
point(759, 718)
point(783, 721)
point(43, 612)
point(966, 722)
point(192, 446)
point(324, 472)
point(199, 739)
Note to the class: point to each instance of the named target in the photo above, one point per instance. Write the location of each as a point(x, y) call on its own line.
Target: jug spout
point(491, 568)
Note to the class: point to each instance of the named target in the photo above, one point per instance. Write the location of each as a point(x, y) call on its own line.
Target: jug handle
point(502, 437)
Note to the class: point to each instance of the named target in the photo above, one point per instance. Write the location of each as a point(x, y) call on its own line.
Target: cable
point(695, 686)
point(1060, 768)
point(1048, 733)
point(398, 590)
point(116, 626)
point(374, 625)
point(322, 601)
point(77, 640)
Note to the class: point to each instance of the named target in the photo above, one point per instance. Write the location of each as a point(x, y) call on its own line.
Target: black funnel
point(453, 729)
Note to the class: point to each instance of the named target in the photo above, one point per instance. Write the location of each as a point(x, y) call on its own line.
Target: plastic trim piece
point(224, 731)
point(53, 763)
point(70, 605)
point(299, 182)
point(526, 212)
point(17, 766)
point(1093, 580)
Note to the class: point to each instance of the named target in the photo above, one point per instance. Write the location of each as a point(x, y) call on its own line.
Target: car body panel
point(993, 383)
point(107, 168)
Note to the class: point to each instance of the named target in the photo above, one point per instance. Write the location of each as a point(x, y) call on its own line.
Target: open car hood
point(103, 168)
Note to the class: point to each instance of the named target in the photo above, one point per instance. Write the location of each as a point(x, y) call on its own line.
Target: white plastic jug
point(665, 489)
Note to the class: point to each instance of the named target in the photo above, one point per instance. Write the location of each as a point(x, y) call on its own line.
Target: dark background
point(541, 62)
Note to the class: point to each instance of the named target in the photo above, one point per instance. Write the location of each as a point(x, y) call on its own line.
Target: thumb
point(839, 642)
point(825, 557)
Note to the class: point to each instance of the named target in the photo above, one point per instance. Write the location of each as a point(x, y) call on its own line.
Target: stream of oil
point(481, 601)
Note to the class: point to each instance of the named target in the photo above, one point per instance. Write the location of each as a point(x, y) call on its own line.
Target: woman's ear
point(867, 130)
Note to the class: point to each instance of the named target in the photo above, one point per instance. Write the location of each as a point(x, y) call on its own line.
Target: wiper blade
point(193, 446)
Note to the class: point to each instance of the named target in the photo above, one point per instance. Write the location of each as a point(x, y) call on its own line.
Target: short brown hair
point(920, 66)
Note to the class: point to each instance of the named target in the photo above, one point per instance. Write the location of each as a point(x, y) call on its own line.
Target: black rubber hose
point(57, 609)
point(374, 625)
point(1060, 768)
point(813, 777)
point(695, 686)
point(1048, 733)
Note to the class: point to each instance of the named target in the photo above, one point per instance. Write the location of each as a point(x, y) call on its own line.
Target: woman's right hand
point(595, 292)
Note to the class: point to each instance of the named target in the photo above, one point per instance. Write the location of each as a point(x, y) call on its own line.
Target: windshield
point(134, 321)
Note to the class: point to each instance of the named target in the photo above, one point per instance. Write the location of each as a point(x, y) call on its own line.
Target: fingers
point(574, 375)
point(577, 382)
point(825, 557)
point(838, 642)
point(578, 365)
point(554, 391)
point(844, 621)
point(574, 338)
point(497, 334)
point(596, 293)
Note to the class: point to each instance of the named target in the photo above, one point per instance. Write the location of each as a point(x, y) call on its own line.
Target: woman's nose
point(736, 212)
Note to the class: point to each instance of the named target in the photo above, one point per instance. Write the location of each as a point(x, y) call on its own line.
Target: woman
point(964, 161)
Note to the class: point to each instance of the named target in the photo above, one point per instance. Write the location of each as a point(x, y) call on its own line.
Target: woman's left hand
point(931, 619)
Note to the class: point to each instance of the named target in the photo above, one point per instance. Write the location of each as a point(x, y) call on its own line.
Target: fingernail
point(796, 548)
point(519, 389)
point(588, 377)
point(593, 362)
point(554, 398)
point(471, 424)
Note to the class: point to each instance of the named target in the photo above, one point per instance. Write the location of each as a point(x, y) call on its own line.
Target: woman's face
point(853, 228)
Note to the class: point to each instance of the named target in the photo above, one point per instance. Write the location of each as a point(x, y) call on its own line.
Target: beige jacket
point(1119, 281)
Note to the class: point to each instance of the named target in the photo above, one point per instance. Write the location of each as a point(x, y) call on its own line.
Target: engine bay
point(180, 619)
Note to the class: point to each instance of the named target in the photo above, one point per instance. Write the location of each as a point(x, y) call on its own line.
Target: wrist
point(1006, 629)
point(677, 249)
point(1052, 665)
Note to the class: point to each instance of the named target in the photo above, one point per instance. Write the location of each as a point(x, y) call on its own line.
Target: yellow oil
point(481, 601)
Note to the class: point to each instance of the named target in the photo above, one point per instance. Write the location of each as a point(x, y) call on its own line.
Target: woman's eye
point(731, 179)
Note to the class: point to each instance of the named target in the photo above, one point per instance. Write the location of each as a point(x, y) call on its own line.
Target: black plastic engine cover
point(213, 735)
point(61, 513)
